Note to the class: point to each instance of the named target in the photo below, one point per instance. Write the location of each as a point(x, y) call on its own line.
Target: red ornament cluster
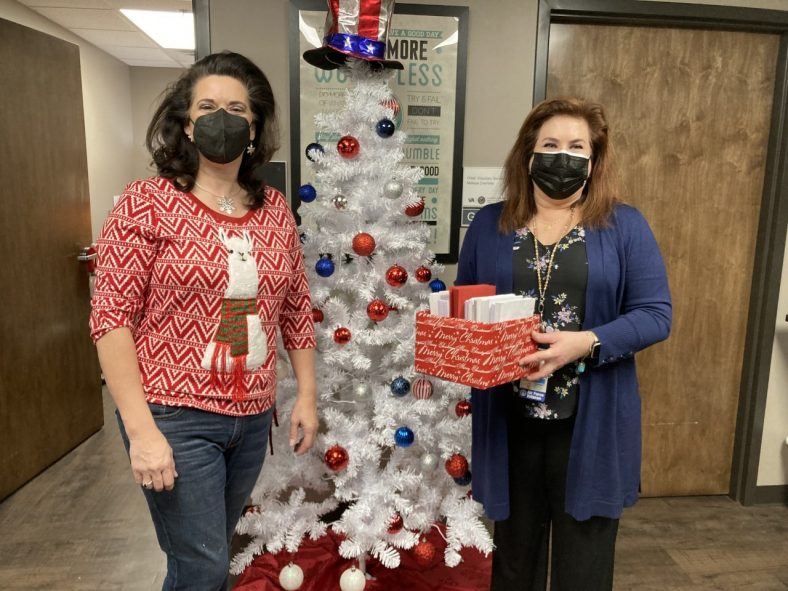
point(342, 336)
point(363, 244)
point(396, 276)
point(348, 147)
point(425, 552)
point(415, 209)
point(457, 466)
point(377, 310)
point(336, 458)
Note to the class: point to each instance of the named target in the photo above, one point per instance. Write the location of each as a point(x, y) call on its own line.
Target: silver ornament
point(393, 189)
point(361, 390)
point(339, 201)
point(429, 461)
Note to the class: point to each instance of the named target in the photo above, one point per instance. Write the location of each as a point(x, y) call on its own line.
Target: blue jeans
point(218, 459)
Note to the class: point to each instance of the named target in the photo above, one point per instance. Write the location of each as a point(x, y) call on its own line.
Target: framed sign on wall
point(429, 97)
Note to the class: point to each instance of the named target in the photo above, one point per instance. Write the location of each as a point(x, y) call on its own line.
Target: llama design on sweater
point(239, 343)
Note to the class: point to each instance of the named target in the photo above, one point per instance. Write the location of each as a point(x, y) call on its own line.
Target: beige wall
point(501, 54)
point(773, 467)
point(107, 107)
point(147, 85)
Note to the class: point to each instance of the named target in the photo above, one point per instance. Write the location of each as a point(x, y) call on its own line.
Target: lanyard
point(540, 283)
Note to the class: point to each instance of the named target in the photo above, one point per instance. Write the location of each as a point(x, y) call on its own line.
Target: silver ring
point(148, 484)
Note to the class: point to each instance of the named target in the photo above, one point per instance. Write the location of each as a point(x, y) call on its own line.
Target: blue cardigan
point(628, 307)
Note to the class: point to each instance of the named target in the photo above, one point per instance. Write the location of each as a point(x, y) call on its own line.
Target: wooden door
point(690, 112)
point(50, 390)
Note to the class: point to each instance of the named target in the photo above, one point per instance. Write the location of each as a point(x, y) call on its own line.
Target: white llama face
point(238, 247)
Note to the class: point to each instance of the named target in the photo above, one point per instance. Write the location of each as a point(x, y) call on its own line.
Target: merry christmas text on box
point(476, 354)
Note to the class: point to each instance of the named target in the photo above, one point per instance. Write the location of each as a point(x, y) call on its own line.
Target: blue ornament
point(464, 480)
point(404, 437)
point(400, 387)
point(313, 147)
point(385, 128)
point(437, 285)
point(307, 193)
point(324, 267)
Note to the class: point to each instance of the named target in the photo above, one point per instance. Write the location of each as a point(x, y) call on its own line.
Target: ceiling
point(101, 23)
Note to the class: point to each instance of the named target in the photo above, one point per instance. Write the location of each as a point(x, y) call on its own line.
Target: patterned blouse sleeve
point(295, 320)
point(126, 251)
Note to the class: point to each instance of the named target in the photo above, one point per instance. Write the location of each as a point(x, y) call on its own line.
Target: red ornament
point(457, 466)
point(342, 336)
point(463, 408)
point(377, 310)
point(363, 244)
point(415, 209)
point(395, 523)
point(396, 276)
point(317, 315)
point(336, 458)
point(421, 389)
point(423, 274)
point(424, 552)
point(348, 146)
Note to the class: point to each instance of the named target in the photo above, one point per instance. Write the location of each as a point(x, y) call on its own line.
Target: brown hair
point(599, 195)
point(175, 157)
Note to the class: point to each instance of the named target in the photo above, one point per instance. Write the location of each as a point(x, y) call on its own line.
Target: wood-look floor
point(83, 525)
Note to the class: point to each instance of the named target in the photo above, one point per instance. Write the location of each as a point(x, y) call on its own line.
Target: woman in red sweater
point(198, 267)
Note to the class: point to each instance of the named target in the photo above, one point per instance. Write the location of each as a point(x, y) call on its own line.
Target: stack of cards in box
point(479, 303)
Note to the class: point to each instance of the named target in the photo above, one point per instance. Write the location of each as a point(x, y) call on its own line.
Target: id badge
point(536, 391)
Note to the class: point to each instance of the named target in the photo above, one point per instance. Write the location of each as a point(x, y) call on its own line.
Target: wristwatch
point(593, 350)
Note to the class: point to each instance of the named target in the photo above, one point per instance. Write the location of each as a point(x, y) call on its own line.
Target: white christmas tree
point(390, 459)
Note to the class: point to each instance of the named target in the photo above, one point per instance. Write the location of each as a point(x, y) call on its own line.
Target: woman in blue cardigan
point(558, 453)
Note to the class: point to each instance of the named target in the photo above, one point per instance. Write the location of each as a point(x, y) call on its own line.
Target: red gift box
point(476, 354)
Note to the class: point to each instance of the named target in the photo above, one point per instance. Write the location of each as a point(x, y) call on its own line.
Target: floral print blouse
point(564, 308)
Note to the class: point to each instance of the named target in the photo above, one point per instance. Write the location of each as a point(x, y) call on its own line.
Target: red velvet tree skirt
point(322, 566)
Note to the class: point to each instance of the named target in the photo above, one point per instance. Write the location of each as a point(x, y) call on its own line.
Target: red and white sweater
point(203, 294)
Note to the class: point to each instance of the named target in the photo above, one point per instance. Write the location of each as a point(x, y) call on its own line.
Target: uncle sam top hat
point(355, 28)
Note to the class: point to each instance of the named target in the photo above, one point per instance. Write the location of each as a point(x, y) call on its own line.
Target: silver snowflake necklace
point(226, 204)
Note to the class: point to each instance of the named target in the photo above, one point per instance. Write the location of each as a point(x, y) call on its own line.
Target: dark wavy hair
point(600, 193)
point(176, 157)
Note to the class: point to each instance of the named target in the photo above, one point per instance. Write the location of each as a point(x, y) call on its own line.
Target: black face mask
point(220, 136)
point(559, 174)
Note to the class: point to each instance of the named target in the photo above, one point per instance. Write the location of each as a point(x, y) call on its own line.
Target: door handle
point(88, 255)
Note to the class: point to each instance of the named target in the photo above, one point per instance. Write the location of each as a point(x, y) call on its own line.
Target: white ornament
point(393, 189)
point(291, 577)
point(429, 461)
point(352, 580)
point(361, 390)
